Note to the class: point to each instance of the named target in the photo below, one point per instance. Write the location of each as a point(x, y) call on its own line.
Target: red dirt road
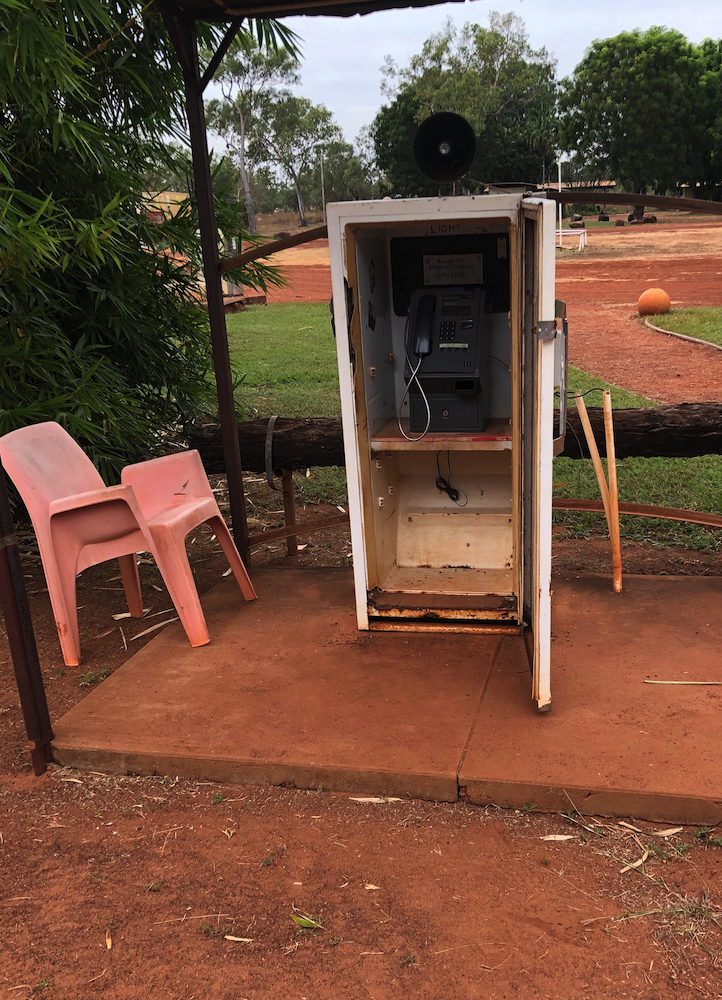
point(607, 337)
point(601, 287)
point(308, 272)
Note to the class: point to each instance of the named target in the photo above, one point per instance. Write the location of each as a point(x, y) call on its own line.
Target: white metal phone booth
point(448, 358)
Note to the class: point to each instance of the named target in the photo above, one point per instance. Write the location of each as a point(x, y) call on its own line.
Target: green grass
point(686, 483)
point(284, 357)
point(704, 322)
point(622, 211)
point(324, 485)
point(579, 381)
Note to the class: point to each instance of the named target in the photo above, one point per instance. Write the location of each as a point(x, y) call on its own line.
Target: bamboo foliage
point(101, 325)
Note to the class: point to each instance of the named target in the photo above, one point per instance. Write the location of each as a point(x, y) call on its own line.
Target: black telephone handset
point(421, 345)
point(446, 369)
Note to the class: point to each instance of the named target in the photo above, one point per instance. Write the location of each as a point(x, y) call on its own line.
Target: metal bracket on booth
point(546, 329)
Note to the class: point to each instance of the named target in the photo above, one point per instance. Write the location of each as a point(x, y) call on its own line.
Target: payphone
point(443, 347)
point(446, 339)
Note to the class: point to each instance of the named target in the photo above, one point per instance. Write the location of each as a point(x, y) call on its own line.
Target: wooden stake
point(289, 510)
point(593, 451)
point(611, 504)
point(613, 515)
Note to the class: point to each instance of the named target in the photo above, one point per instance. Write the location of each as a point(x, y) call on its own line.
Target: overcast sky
point(343, 56)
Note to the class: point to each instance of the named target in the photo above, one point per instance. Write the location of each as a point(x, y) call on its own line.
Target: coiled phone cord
point(413, 376)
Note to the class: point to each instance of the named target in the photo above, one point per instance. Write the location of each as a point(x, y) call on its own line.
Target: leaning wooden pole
point(593, 451)
point(613, 518)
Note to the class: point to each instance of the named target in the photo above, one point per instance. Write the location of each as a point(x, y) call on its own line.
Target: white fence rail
point(581, 234)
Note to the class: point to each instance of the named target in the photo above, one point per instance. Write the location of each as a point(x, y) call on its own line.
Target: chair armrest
point(105, 495)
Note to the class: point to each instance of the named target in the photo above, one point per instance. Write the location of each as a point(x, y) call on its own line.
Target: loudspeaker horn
point(444, 147)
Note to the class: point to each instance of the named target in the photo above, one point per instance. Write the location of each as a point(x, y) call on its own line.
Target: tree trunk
point(301, 206)
point(298, 443)
point(680, 431)
point(246, 179)
point(666, 431)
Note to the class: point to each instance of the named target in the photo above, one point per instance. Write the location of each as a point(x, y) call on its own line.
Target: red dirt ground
point(607, 337)
point(308, 273)
point(127, 887)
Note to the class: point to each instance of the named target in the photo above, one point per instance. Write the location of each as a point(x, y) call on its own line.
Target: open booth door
point(539, 333)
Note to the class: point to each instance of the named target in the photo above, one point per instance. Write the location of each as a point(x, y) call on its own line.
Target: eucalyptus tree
point(247, 76)
point(490, 75)
point(288, 134)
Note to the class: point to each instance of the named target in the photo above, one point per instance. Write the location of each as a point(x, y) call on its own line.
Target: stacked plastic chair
point(79, 522)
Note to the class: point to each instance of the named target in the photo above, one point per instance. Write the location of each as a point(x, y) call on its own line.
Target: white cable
point(404, 397)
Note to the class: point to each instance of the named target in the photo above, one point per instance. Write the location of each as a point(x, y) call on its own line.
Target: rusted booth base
point(289, 692)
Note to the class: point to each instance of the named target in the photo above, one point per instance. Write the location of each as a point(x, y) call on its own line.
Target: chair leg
point(131, 585)
point(62, 593)
point(231, 552)
point(176, 572)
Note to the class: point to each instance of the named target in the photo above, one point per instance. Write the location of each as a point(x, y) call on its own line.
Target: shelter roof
point(226, 10)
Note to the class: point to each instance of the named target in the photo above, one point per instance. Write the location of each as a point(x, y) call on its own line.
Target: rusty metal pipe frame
point(21, 640)
point(289, 510)
point(298, 528)
point(642, 510)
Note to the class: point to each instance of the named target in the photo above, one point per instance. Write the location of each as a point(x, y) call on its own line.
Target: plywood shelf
point(466, 582)
point(496, 436)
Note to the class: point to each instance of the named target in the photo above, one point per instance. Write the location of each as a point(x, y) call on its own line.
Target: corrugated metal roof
point(225, 10)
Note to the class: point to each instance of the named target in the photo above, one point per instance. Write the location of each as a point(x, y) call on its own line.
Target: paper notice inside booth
point(454, 269)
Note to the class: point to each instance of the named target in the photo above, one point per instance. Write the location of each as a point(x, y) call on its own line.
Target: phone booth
point(449, 355)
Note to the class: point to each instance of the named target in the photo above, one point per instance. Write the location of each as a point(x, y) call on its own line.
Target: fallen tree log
point(298, 443)
point(680, 431)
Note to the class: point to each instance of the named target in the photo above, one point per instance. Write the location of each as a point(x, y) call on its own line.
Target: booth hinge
point(546, 329)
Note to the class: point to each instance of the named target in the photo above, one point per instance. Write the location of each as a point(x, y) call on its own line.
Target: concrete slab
point(288, 691)
point(612, 744)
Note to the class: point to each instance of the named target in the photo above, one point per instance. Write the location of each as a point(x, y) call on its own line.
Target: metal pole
point(214, 288)
point(559, 168)
point(21, 639)
point(323, 189)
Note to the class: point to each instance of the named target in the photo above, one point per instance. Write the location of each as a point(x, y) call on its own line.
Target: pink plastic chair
point(175, 496)
point(79, 522)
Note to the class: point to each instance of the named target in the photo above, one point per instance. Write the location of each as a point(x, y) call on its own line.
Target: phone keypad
point(447, 331)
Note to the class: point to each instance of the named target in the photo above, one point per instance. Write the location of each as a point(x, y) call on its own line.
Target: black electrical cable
point(445, 486)
point(503, 363)
point(579, 443)
point(571, 395)
point(571, 426)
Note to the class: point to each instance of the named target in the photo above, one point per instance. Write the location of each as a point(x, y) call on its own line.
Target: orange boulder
point(653, 302)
